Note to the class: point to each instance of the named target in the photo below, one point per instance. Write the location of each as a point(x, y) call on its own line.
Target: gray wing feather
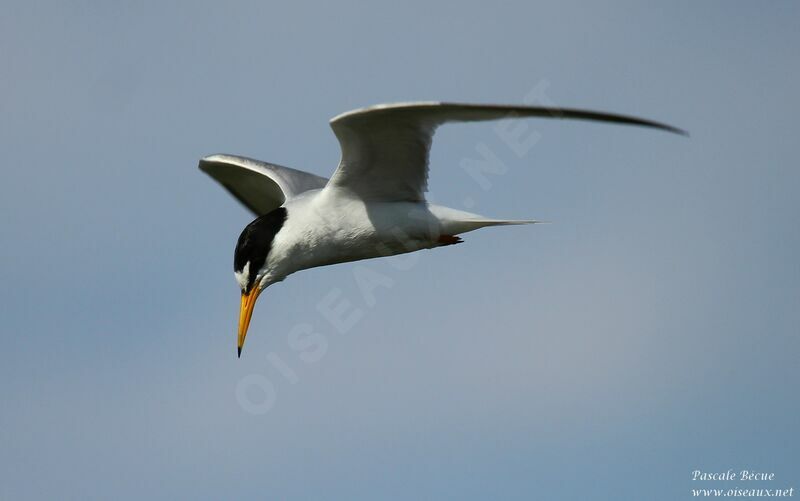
point(385, 148)
point(260, 186)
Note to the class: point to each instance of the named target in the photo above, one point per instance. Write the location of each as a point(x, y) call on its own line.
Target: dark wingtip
point(664, 127)
point(684, 133)
point(668, 128)
point(239, 354)
point(601, 116)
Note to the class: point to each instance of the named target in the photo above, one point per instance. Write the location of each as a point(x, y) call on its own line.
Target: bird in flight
point(374, 203)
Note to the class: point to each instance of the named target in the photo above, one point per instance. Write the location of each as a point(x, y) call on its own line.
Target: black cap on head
point(255, 243)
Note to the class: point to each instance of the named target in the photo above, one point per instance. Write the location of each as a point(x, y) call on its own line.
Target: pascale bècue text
point(732, 475)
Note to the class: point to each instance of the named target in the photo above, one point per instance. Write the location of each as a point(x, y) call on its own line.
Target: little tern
point(374, 204)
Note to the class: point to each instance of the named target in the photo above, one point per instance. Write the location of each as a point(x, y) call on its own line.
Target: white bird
point(374, 204)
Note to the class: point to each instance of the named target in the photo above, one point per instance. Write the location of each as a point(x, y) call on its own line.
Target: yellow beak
point(245, 312)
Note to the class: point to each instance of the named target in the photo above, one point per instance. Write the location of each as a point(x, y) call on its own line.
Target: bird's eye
point(243, 276)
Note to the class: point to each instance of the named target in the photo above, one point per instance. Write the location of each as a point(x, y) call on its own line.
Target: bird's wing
point(385, 148)
point(260, 186)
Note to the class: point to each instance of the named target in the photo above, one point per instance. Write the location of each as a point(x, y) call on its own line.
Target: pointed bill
point(245, 313)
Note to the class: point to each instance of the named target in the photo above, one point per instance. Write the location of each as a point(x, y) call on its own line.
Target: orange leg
point(449, 240)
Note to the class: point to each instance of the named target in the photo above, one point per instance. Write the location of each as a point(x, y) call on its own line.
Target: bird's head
point(252, 266)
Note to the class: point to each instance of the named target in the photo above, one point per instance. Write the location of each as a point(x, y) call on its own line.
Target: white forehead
point(242, 276)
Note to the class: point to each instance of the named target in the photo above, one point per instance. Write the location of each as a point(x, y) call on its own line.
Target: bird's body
point(324, 227)
point(372, 206)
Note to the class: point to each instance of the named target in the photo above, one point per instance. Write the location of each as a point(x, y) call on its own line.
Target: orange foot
point(449, 240)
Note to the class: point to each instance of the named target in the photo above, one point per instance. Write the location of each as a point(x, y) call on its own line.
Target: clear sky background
point(651, 330)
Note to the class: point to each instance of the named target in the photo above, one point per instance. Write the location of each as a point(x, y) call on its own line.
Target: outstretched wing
point(385, 148)
point(260, 186)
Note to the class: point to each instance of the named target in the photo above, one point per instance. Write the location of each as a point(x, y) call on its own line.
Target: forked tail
point(454, 222)
point(470, 224)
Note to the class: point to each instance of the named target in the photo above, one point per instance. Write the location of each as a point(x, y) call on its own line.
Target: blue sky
point(651, 330)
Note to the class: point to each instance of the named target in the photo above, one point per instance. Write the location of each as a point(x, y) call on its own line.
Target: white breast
point(324, 229)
